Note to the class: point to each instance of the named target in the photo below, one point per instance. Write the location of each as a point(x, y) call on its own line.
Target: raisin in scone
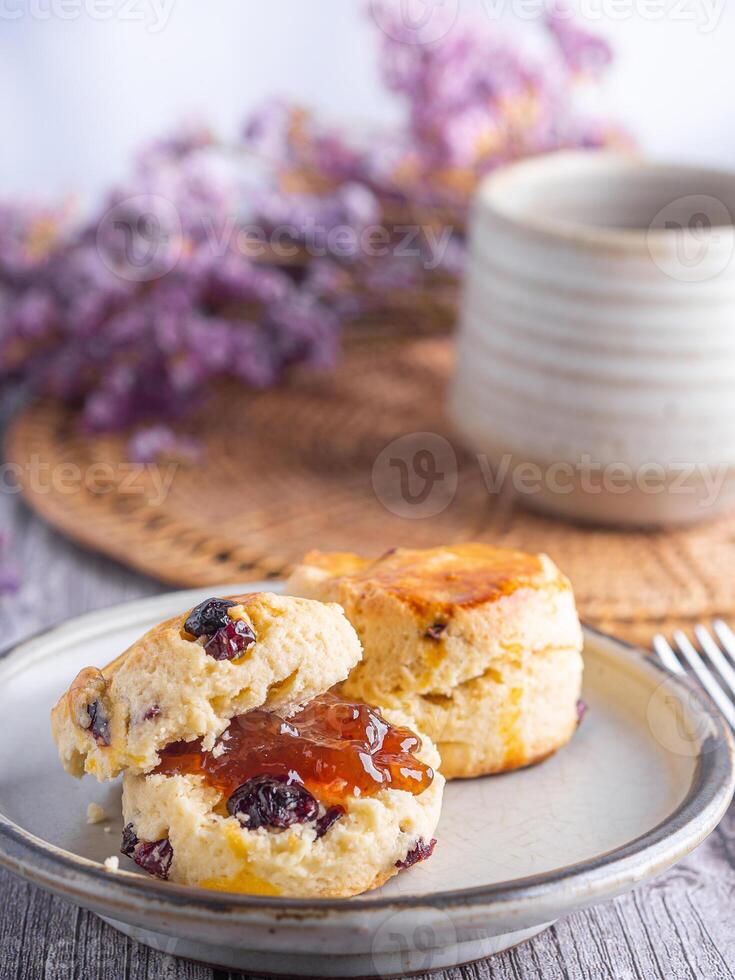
point(480, 645)
point(329, 802)
point(187, 677)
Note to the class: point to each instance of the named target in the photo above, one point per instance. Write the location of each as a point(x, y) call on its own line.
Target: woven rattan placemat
point(293, 468)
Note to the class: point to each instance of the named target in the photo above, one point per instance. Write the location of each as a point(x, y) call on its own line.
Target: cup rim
point(492, 195)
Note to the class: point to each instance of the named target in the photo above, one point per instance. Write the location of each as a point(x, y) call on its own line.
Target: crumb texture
point(167, 688)
point(359, 851)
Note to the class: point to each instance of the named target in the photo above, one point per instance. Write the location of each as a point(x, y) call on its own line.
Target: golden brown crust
point(438, 581)
point(432, 619)
point(480, 645)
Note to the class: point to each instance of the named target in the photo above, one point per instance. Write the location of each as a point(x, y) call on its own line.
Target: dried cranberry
point(324, 823)
point(582, 709)
point(99, 723)
point(129, 840)
point(153, 712)
point(420, 852)
point(230, 641)
point(209, 616)
point(272, 801)
point(434, 632)
point(154, 857)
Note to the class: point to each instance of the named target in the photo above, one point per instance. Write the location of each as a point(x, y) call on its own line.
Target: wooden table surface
point(681, 926)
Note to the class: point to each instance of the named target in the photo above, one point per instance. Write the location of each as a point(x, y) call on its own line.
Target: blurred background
point(79, 96)
point(236, 254)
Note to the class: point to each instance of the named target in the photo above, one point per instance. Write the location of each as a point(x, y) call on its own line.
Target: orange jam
point(335, 748)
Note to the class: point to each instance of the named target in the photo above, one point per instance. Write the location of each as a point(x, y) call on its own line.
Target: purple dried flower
point(133, 315)
point(9, 581)
point(583, 52)
point(474, 100)
point(9, 578)
point(131, 342)
point(288, 135)
point(156, 442)
point(268, 130)
point(190, 138)
point(29, 233)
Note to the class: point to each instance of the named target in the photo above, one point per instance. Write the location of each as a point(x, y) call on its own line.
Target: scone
point(242, 772)
point(481, 646)
point(187, 677)
point(237, 819)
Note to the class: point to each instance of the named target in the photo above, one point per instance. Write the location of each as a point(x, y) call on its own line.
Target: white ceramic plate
point(647, 778)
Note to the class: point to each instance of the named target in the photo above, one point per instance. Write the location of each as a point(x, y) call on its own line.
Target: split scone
point(330, 802)
point(187, 677)
point(480, 646)
point(241, 771)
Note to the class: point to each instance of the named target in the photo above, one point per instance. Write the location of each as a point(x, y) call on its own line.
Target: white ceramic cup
point(596, 352)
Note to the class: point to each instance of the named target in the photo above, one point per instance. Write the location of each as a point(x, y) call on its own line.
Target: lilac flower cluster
point(473, 101)
point(187, 276)
point(134, 314)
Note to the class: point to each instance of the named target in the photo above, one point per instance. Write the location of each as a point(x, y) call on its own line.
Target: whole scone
point(480, 645)
point(187, 677)
point(273, 838)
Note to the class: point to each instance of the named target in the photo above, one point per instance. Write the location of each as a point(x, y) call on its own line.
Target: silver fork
point(713, 664)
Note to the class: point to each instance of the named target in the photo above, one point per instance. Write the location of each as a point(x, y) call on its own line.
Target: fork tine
point(716, 656)
point(666, 655)
point(705, 676)
point(726, 637)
